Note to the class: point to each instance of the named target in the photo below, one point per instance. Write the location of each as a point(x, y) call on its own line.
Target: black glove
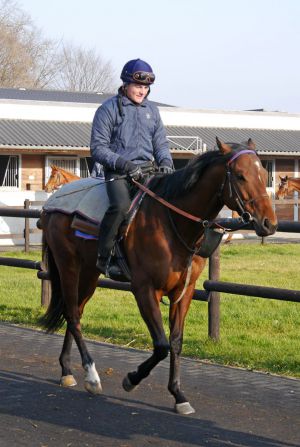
point(136, 174)
point(166, 166)
point(165, 169)
point(133, 171)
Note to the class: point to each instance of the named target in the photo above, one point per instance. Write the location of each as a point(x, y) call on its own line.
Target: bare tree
point(84, 70)
point(26, 59)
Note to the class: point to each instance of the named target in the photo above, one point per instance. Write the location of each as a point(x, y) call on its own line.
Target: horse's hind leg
point(149, 309)
point(76, 292)
point(177, 316)
point(67, 378)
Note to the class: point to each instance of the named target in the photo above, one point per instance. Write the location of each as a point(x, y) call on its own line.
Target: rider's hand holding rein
point(133, 171)
point(127, 132)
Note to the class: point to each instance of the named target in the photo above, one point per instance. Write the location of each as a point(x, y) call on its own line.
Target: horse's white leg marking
point(92, 381)
point(184, 408)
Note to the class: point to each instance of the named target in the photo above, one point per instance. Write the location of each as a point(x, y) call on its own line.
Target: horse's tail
point(53, 318)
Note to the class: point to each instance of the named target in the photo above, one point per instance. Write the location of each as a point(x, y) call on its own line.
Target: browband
point(245, 151)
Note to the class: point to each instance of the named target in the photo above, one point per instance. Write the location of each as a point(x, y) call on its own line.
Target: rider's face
point(137, 92)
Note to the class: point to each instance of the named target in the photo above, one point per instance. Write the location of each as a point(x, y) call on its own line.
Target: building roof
point(27, 134)
point(23, 94)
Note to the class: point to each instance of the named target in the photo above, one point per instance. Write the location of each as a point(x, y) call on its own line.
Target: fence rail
point(212, 286)
point(27, 213)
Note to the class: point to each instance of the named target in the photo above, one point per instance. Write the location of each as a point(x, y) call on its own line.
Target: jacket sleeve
point(102, 129)
point(160, 143)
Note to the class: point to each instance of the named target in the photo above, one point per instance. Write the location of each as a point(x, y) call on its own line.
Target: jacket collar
point(127, 102)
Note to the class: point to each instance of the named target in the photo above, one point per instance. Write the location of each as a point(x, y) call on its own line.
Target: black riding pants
point(120, 193)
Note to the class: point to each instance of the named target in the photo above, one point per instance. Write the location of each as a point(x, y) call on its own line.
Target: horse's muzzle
point(264, 227)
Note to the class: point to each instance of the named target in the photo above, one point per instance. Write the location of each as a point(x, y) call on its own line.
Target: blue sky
point(206, 54)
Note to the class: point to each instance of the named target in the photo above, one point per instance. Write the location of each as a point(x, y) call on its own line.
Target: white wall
point(171, 116)
point(16, 225)
point(225, 119)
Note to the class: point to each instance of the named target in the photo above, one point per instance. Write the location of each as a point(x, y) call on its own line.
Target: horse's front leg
point(148, 304)
point(177, 316)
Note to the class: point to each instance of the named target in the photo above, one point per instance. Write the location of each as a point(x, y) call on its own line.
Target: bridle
point(233, 189)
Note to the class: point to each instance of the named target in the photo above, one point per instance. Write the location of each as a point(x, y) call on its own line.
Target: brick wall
point(33, 172)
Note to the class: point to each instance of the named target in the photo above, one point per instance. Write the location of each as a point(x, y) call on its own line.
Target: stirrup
point(115, 272)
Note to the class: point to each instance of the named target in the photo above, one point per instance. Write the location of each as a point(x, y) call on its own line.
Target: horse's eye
point(240, 177)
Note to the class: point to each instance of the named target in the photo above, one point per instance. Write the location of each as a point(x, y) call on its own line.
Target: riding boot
point(109, 267)
point(106, 263)
point(119, 197)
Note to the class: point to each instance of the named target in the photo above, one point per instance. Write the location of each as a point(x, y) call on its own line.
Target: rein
point(169, 205)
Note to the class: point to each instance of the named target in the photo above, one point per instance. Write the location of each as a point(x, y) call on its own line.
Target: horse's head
point(55, 179)
point(244, 188)
point(58, 178)
point(283, 188)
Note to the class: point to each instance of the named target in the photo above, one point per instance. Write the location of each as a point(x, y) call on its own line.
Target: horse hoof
point(184, 408)
point(67, 381)
point(93, 387)
point(127, 385)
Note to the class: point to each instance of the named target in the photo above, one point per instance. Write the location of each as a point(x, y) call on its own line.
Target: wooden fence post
point(27, 227)
point(214, 297)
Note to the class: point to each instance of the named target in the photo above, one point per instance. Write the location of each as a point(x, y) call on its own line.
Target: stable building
point(39, 128)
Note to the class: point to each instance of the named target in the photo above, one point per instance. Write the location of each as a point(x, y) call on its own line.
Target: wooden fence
point(211, 287)
point(27, 231)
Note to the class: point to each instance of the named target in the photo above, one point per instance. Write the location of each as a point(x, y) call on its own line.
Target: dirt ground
point(234, 407)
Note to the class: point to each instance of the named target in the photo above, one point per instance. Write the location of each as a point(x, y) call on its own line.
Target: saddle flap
point(85, 226)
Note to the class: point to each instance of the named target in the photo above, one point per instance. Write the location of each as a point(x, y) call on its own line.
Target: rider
point(127, 131)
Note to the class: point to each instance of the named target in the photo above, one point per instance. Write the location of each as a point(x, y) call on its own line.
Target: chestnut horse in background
point(161, 247)
point(59, 177)
point(286, 186)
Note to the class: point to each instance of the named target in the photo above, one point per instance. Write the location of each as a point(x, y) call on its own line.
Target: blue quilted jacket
point(130, 132)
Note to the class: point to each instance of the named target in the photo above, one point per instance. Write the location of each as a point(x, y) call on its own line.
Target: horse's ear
point(224, 148)
point(251, 144)
point(281, 178)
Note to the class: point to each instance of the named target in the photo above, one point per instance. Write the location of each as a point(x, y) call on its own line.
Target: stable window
point(9, 171)
point(268, 165)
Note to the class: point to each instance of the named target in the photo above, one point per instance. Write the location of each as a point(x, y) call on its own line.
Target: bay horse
point(59, 177)
point(161, 247)
point(286, 186)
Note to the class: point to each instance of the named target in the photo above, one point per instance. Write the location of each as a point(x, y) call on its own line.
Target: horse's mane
point(183, 180)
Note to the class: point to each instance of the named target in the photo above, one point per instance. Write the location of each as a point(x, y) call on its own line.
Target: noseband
point(234, 191)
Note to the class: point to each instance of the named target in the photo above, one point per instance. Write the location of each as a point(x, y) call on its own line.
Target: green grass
point(255, 333)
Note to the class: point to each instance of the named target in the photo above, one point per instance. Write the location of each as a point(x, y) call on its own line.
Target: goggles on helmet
point(143, 77)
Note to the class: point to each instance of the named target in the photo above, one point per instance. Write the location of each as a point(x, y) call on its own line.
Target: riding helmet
point(137, 71)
